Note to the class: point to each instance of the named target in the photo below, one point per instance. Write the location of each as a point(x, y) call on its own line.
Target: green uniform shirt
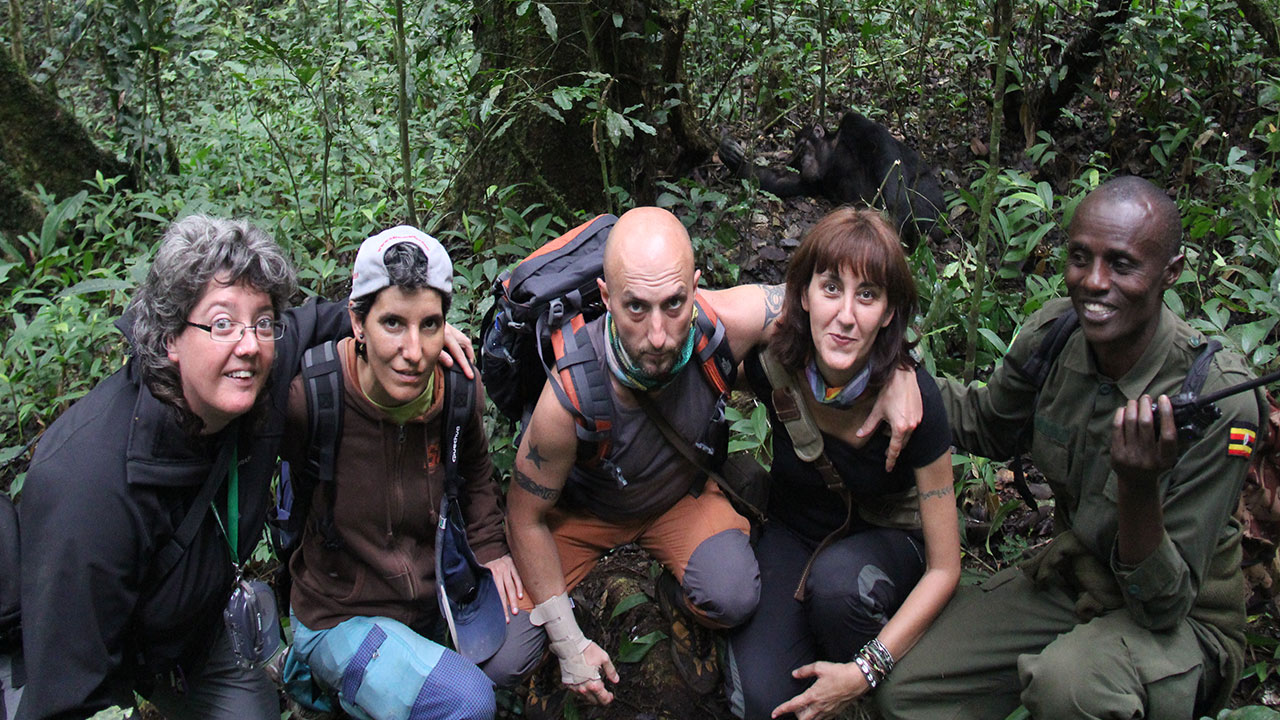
point(1071, 445)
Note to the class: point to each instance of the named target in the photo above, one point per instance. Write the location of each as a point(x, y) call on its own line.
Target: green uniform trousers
point(1004, 643)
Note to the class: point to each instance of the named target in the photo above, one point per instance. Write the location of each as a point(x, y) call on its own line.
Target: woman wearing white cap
point(366, 621)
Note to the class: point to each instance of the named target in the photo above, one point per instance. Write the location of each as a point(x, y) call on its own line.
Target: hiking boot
point(693, 647)
point(275, 671)
point(543, 693)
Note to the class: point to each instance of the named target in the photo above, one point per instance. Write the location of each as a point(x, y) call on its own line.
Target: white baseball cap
point(370, 272)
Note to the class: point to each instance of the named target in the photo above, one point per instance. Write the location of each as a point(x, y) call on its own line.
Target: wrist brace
point(555, 615)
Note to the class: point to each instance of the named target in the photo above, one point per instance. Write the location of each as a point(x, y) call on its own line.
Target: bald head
point(1145, 208)
point(649, 285)
point(645, 240)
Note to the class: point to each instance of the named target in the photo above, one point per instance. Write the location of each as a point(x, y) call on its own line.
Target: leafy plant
point(633, 650)
point(751, 433)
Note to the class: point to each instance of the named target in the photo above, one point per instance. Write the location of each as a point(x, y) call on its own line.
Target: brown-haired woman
point(852, 574)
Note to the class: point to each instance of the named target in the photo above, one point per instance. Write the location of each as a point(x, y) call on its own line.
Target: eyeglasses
point(224, 330)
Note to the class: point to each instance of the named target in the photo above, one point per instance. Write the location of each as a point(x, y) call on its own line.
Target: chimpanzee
point(860, 163)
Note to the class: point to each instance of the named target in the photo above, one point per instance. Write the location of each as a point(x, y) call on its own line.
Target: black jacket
point(110, 481)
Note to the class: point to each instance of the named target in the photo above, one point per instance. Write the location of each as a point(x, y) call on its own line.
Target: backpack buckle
point(555, 312)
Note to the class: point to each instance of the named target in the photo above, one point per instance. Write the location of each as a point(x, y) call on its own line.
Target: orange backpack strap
point(715, 357)
point(582, 386)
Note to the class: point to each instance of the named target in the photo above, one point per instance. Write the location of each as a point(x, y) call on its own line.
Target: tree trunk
point(1004, 16)
point(15, 31)
point(1263, 19)
point(402, 116)
point(40, 142)
point(556, 94)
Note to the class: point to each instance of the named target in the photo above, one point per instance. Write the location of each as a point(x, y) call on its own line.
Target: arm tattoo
point(534, 456)
point(533, 488)
point(773, 296)
point(940, 492)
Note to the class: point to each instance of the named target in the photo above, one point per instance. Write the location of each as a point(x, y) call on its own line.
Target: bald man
point(1136, 608)
point(563, 516)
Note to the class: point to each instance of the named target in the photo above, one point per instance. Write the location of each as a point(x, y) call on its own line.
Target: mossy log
point(41, 142)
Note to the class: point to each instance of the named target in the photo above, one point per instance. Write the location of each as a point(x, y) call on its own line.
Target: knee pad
point(868, 596)
point(722, 578)
point(867, 577)
point(455, 690)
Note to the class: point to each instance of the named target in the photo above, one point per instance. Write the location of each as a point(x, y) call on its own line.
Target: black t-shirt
point(799, 498)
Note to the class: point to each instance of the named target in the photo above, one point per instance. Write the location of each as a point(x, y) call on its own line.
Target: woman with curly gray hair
point(118, 598)
point(199, 255)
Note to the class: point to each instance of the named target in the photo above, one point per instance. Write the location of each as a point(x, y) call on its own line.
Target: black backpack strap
point(171, 552)
point(1191, 415)
point(1199, 371)
point(459, 407)
point(1036, 371)
point(322, 380)
point(10, 577)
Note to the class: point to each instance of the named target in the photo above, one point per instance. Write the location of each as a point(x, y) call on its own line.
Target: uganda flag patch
point(1242, 441)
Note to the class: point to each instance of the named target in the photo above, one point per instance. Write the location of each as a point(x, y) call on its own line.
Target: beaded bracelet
point(872, 679)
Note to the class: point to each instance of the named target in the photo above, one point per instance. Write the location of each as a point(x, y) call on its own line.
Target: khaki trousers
point(1005, 643)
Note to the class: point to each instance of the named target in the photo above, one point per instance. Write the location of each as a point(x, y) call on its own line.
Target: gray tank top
point(648, 474)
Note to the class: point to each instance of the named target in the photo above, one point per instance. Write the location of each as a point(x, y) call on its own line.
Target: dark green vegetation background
point(496, 124)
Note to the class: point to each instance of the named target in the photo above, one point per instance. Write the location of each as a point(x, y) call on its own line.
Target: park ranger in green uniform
point(1136, 607)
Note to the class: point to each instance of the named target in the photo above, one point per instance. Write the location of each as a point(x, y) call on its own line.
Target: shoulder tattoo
point(940, 492)
point(528, 485)
point(773, 296)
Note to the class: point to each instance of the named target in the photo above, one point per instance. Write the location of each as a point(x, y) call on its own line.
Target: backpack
point(322, 382)
point(535, 332)
point(10, 575)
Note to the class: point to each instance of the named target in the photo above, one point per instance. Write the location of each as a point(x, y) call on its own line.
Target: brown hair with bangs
point(865, 242)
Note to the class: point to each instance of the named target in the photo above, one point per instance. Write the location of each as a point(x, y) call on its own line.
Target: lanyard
point(233, 509)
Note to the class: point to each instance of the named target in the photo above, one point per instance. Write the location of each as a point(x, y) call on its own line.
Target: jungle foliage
point(328, 121)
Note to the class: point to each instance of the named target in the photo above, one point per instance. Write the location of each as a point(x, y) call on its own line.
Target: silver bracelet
point(882, 653)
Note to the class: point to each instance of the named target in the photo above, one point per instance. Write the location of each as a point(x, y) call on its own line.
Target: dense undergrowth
point(286, 113)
